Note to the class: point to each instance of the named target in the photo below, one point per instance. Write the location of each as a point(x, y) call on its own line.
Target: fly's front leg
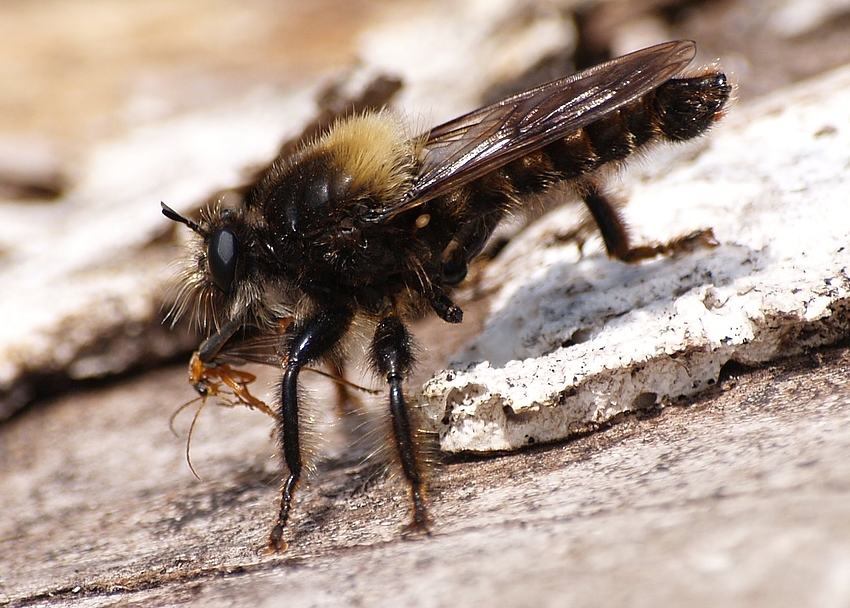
point(311, 341)
point(392, 358)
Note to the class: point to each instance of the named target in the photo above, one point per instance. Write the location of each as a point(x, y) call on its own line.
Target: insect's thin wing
point(467, 148)
point(475, 144)
point(265, 349)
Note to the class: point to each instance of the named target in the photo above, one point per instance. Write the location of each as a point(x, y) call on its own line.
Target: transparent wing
point(469, 147)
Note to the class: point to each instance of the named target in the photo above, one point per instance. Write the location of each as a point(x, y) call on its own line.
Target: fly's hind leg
point(392, 358)
point(346, 400)
point(615, 233)
point(611, 225)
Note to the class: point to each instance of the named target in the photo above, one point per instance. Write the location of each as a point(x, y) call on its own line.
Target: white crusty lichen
point(573, 341)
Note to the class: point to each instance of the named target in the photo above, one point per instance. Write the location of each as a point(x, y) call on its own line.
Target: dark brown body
point(323, 246)
point(369, 222)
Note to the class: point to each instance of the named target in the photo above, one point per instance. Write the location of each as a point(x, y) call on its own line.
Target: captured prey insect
point(230, 387)
point(368, 225)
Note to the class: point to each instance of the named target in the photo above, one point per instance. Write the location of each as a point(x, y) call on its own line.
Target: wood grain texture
point(740, 498)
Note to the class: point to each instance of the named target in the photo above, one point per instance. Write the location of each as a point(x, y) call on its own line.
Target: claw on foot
point(420, 525)
point(277, 544)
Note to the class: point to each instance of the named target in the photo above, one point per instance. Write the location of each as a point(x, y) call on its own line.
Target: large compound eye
point(221, 258)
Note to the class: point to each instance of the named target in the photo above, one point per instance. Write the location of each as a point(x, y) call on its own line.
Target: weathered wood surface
point(741, 498)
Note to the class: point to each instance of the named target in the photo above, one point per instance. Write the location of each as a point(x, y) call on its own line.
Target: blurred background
point(77, 71)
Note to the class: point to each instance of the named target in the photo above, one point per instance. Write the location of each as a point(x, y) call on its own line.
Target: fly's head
point(224, 278)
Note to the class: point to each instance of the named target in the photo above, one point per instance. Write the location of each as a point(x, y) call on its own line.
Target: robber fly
point(368, 223)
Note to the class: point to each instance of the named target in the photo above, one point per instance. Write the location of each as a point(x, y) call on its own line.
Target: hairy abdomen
point(678, 110)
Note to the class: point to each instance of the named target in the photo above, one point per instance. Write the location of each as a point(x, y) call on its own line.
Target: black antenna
point(173, 215)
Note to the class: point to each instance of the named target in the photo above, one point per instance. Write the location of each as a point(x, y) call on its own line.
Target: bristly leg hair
point(381, 458)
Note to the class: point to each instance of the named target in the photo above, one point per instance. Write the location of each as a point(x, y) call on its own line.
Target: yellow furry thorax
point(375, 149)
